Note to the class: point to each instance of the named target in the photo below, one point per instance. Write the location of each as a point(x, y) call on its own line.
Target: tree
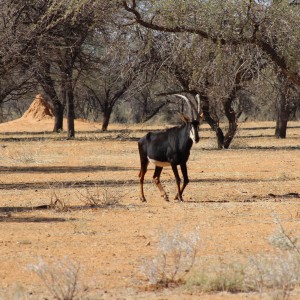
point(66, 35)
point(287, 102)
point(150, 104)
point(53, 34)
point(269, 27)
point(15, 79)
point(121, 69)
point(217, 74)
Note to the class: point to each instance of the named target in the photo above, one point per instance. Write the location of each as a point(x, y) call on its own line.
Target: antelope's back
point(158, 145)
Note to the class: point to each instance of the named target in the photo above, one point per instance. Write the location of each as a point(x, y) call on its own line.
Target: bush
point(219, 278)
point(277, 275)
point(175, 258)
point(60, 277)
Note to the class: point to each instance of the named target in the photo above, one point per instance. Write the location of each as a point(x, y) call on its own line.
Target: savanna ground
point(232, 197)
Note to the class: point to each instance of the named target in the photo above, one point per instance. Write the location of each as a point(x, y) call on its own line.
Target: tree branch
point(264, 46)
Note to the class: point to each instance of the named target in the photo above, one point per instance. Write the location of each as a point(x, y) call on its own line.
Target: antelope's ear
point(201, 116)
point(184, 118)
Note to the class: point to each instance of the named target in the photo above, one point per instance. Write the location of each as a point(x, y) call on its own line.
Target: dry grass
point(60, 278)
point(276, 275)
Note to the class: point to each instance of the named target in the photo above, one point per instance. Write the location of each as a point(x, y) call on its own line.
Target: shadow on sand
point(62, 169)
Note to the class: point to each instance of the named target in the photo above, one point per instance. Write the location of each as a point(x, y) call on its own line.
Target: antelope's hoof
point(166, 198)
point(143, 199)
point(178, 198)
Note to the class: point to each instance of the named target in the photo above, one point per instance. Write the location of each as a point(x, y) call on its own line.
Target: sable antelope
point(170, 148)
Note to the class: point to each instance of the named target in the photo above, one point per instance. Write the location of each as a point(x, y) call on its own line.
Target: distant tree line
point(97, 59)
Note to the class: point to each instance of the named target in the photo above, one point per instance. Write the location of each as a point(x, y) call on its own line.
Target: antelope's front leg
point(185, 178)
point(177, 178)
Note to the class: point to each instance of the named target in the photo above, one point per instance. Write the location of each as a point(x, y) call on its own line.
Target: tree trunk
point(223, 141)
point(70, 107)
point(232, 119)
point(106, 118)
point(58, 116)
point(282, 119)
point(44, 78)
point(282, 107)
point(211, 122)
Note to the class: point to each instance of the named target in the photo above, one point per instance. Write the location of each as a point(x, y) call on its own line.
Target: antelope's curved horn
point(198, 107)
point(188, 103)
point(198, 103)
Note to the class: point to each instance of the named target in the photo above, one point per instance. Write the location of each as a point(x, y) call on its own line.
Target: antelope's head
point(194, 118)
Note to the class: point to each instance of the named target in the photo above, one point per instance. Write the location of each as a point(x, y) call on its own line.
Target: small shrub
point(283, 240)
point(23, 154)
point(16, 292)
point(277, 275)
point(60, 277)
point(221, 277)
point(58, 197)
point(175, 257)
point(99, 196)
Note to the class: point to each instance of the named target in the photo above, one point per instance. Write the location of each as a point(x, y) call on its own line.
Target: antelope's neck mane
point(175, 128)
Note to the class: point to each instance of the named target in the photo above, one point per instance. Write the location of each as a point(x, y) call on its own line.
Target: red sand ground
point(231, 197)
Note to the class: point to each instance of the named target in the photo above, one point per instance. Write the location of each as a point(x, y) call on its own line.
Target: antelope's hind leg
point(156, 179)
point(144, 165)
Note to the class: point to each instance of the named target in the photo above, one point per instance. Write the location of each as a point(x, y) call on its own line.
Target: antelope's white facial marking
point(192, 134)
point(159, 163)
